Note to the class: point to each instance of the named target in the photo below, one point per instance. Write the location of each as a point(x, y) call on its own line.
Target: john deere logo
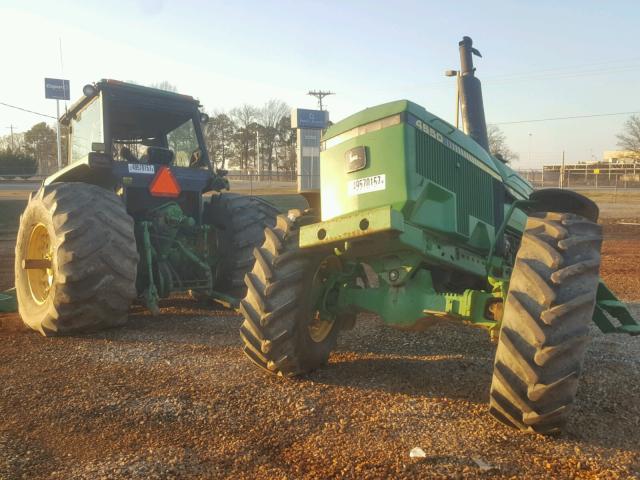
point(356, 159)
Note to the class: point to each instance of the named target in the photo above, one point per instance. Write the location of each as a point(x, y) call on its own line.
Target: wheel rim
point(38, 264)
point(321, 326)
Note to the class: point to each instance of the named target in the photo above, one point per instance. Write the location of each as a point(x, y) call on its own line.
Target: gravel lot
point(174, 397)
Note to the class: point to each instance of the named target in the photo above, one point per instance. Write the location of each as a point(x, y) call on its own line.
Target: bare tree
point(498, 145)
point(14, 142)
point(219, 135)
point(245, 119)
point(270, 116)
point(164, 85)
point(629, 139)
point(286, 144)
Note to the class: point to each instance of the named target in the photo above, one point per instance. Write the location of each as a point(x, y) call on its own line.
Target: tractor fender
point(563, 201)
point(95, 169)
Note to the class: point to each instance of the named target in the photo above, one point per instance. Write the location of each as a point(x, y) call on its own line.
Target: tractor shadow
point(455, 362)
point(446, 361)
point(372, 336)
point(442, 378)
point(181, 320)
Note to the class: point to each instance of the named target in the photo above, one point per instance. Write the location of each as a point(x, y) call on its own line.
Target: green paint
point(355, 225)
point(414, 302)
point(150, 293)
point(175, 256)
point(434, 235)
point(608, 307)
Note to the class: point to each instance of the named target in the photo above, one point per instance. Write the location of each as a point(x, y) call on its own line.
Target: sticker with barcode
point(367, 184)
point(141, 168)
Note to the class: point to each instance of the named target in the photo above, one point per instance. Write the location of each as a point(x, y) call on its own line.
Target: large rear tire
point(76, 260)
point(241, 219)
point(282, 333)
point(545, 327)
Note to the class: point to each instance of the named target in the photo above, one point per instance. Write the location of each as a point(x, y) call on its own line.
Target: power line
point(562, 73)
point(551, 119)
point(567, 68)
point(28, 111)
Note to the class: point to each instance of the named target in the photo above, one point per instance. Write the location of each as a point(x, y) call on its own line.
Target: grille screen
point(472, 186)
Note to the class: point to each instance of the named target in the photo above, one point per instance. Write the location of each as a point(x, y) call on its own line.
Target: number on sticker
point(367, 184)
point(141, 168)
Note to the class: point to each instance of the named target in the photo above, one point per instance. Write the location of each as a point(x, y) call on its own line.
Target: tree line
point(252, 138)
point(246, 138)
point(31, 152)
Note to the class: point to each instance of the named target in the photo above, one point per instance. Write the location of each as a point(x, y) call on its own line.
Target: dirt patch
point(620, 267)
point(174, 397)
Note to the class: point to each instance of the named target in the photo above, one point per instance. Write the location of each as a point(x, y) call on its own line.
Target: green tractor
point(420, 224)
point(138, 213)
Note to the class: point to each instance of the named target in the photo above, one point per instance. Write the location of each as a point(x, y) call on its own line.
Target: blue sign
point(302, 118)
point(56, 88)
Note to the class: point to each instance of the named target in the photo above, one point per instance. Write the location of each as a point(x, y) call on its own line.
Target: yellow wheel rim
point(38, 263)
point(319, 327)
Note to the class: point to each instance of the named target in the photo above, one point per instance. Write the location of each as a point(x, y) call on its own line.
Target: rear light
point(165, 184)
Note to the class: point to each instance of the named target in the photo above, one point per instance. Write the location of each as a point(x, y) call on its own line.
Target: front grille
point(472, 186)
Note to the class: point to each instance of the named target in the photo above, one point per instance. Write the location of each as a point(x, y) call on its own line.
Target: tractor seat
point(159, 155)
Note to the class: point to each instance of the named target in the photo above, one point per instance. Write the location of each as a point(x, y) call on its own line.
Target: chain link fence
point(585, 176)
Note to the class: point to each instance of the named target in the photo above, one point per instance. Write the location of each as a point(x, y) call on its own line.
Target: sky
point(541, 59)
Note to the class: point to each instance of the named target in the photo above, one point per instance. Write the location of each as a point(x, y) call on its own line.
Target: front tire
point(76, 260)
point(282, 332)
point(545, 327)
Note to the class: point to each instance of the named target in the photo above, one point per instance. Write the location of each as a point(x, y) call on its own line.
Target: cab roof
point(131, 92)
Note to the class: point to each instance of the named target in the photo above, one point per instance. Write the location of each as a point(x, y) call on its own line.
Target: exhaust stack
point(470, 89)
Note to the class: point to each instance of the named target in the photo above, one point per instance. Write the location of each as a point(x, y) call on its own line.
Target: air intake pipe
point(470, 89)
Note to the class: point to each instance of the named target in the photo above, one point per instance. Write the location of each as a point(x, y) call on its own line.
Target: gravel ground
point(173, 397)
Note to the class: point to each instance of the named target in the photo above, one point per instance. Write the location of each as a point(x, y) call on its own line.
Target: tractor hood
point(372, 119)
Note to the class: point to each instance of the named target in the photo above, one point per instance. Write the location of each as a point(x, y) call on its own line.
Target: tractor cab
point(125, 136)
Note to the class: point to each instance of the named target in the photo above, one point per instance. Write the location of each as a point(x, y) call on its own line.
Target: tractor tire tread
point(243, 219)
point(96, 260)
point(545, 323)
point(274, 302)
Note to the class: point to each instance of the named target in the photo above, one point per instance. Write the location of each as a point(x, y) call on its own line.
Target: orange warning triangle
point(165, 184)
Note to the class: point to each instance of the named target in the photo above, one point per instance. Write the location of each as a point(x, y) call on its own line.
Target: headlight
point(89, 90)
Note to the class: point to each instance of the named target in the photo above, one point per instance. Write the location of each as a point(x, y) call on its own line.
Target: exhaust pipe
point(470, 89)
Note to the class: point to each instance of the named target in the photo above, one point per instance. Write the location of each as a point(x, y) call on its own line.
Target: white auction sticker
point(367, 184)
point(141, 168)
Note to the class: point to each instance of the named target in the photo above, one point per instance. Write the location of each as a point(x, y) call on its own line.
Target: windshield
point(184, 143)
point(173, 145)
point(86, 129)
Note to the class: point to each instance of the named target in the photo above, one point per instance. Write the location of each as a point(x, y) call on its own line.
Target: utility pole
point(319, 94)
point(10, 127)
point(258, 162)
point(58, 138)
point(562, 172)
